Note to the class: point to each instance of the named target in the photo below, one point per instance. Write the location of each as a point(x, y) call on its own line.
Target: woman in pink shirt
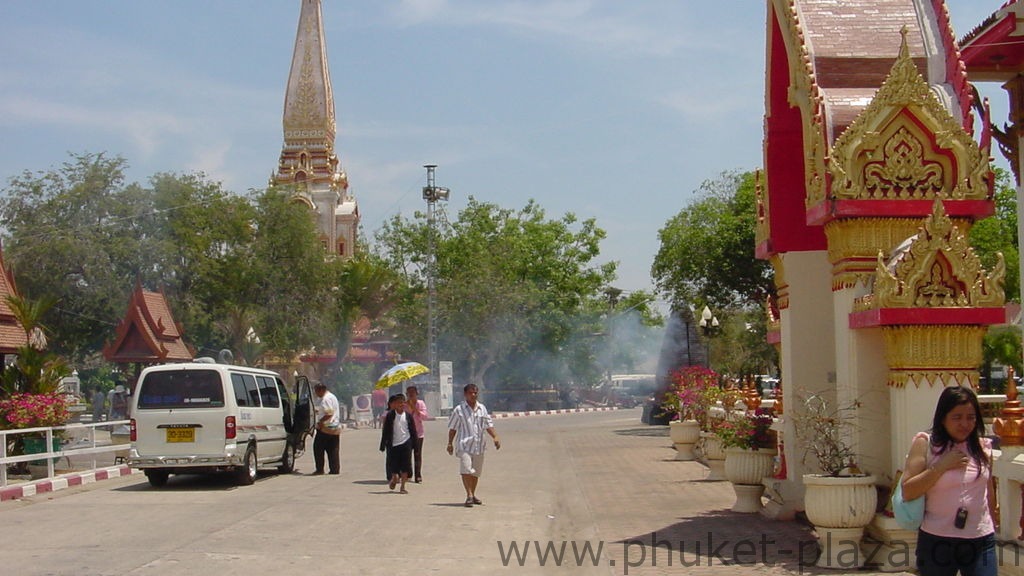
point(952, 469)
point(418, 409)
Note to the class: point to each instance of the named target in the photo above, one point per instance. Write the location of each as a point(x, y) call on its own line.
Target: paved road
point(597, 490)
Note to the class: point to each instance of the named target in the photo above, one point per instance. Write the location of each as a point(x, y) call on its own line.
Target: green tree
point(998, 233)
point(707, 249)
point(511, 285)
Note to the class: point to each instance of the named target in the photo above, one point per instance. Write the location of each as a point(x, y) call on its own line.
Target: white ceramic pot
point(684, 435)
point(839, 507)
point(743, 466)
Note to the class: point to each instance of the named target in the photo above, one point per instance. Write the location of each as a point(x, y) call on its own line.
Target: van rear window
point(181, 389)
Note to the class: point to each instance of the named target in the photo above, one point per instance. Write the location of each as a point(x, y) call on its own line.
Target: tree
point(512, 288)
point(998, 233)
point(707, 249)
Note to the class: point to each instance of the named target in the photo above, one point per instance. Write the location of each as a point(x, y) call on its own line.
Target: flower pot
point(745, 468)
point(36, 445)
point(839, 507)
point(713, 456)
point(684, 435)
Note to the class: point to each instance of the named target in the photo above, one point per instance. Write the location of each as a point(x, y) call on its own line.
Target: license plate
point(181, 434)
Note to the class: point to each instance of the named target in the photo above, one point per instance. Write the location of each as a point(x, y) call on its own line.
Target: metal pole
point(432, 194)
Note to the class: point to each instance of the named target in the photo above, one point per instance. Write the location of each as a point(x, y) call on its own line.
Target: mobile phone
point(961, 518)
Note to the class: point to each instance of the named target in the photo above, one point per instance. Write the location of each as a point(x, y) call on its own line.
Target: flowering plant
point(749, 431)
point(692, 392)
point(33, 411)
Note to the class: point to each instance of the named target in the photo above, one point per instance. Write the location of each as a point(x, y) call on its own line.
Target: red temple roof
point(148, 332)
point(12, 335)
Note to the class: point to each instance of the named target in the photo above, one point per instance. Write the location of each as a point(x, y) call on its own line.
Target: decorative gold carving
point(937, 269)
point(906, 145)
point(762, 227)
point(933, 348)
point(853, 245)
point(779, 278)
point(900, 378)
point(805, 95)
point(1009, 425)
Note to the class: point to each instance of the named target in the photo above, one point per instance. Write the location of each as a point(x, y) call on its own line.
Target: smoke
point(680, 346)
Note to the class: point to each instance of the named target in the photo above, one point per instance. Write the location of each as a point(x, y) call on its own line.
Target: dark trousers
point(331, 445)
point(939, 556)
point(417, 456)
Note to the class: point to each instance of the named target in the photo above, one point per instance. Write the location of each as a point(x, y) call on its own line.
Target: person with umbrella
point(466, 427)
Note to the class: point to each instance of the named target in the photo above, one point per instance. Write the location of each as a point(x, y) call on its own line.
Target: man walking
point(466, 426)
point(328, 431)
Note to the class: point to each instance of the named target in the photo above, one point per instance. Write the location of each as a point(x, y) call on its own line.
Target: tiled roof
point(12, 336)
point(148, 332)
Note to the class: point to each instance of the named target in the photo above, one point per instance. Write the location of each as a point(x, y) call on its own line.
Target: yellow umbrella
point(399, 373)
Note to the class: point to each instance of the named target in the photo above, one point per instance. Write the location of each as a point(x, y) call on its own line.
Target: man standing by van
point(328, 431)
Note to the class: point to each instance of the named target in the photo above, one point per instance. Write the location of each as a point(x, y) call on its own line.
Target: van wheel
point(157, 477)
point(246, 473)
point(287, 459)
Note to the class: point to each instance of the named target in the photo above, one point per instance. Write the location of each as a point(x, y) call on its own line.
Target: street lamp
point(432, 194)
point(708, 325)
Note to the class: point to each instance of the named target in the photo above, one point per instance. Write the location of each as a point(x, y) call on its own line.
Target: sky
point(610, 110)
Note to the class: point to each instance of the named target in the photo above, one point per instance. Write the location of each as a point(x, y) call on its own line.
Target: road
point(588, 493)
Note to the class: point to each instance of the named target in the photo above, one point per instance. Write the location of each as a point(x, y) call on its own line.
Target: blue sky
point(609, 109)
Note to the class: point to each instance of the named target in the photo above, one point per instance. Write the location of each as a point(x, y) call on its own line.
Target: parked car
point(204, 417)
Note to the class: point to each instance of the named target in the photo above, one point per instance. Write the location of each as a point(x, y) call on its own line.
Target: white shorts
point(472, 464)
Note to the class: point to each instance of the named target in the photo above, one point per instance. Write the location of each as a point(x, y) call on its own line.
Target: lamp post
point(432, 194)
point(708, 325)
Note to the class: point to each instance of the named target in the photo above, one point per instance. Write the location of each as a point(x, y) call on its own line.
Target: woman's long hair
point(950, 398)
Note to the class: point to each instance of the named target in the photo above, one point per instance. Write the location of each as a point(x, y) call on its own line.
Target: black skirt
point(399, 459)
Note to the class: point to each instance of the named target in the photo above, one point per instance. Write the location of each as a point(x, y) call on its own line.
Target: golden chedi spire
point(1009, 425)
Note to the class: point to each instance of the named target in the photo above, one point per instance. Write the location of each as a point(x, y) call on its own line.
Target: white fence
point(77, 440)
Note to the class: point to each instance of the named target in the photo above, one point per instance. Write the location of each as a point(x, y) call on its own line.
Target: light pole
point(432, 194)
point(708, 325)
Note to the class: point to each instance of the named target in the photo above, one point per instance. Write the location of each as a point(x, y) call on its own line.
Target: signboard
point(444, 374)
point(362, 409)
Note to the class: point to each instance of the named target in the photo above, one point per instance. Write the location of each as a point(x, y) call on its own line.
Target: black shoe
point(477, 501)
point(336, 472)
point(419, 479)
point(317, 473)
point(469, 503)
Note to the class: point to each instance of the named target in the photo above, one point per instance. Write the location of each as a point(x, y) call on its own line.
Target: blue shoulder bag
point(908, 514)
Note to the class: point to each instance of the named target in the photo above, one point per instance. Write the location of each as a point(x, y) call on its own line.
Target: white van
point(207, 417)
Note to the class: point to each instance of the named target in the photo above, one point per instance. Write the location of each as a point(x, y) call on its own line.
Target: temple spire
point(308, 161)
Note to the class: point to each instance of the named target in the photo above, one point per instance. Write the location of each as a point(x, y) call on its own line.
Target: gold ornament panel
point(933, 348)
point(938, 269)
point(906, 145)
point(901, 378)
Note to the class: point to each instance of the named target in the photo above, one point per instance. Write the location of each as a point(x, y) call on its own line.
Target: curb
point(542, 412)
point(62, 482)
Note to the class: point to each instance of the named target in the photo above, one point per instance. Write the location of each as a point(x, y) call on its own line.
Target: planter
point(839, 508)
point(684, 434)
point(713, 456)
point(745, 468)
point(34, 445)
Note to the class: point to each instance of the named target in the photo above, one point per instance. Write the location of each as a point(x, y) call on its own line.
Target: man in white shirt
point(466, 426)
point(328, 430)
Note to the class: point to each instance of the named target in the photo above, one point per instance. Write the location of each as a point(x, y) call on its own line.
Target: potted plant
point(840, 500)
point(689, 398)
point(749, 455)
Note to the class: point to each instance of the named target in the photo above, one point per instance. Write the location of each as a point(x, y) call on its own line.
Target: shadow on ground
point(645, 431)
point(725, 538)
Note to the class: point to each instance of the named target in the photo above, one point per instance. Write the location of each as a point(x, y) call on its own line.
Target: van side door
point(303, 419)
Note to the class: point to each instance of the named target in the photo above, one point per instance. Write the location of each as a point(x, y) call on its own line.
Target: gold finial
point(1009, 425)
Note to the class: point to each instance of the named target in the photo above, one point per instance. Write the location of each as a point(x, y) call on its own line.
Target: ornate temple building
point(873, 176)
point(148, 334)
point(309, 163)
